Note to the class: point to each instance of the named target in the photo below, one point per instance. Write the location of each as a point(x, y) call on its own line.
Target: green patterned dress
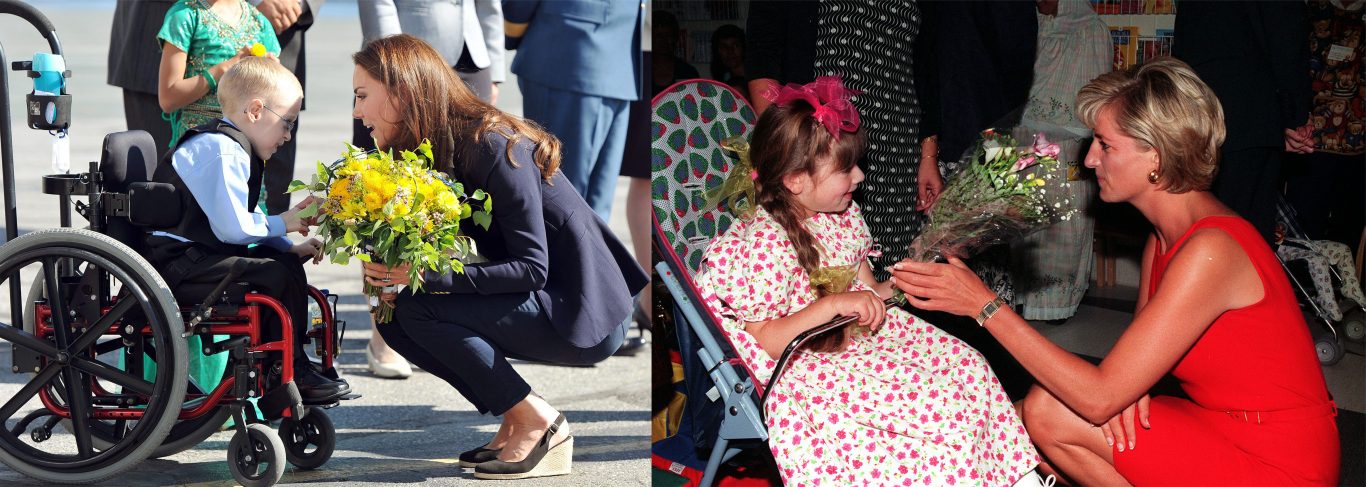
point(209, 40)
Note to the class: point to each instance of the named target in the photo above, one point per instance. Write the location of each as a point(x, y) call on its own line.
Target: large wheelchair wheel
point(94, 286)
point(183, 435)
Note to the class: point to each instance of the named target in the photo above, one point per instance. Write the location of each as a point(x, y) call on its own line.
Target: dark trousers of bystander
point(1326, 192)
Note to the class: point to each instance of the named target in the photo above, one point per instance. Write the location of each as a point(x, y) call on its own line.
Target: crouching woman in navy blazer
point(557, 285)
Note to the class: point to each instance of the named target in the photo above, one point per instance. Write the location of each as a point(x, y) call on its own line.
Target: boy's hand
point(291, 217)
point(309, 249)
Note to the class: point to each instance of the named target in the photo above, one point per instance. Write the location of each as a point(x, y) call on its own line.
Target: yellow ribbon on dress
point(738, 188)
point(835, 279)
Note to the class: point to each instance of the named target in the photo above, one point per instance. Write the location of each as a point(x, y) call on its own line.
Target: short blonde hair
point(1162, 104)
point(254, 77)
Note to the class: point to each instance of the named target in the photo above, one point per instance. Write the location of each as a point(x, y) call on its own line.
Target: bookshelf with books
point(1139, 29)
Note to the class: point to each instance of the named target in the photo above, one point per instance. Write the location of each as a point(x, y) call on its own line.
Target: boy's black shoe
point(317, 389)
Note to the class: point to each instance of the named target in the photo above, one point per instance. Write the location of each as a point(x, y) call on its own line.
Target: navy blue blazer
point(545, 240)
point(584, 46)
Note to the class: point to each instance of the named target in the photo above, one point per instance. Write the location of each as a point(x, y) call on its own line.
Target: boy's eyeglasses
point(289, 124)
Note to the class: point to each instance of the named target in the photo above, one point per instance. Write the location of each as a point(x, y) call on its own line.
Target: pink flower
point(1024, 162)
point(1043, 147)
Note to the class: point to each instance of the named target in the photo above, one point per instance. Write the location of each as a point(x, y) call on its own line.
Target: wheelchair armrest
point(155, 205)
point(838, 323)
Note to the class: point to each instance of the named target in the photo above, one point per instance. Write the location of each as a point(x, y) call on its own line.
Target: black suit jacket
point(135, 54)
point(545, 240)
point(1255, 56)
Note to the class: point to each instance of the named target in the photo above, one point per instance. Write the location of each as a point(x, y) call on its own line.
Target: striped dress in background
point(869, 45)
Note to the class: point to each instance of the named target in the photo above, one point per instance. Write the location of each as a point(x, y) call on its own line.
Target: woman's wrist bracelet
point(989, 310)
point(208, 78)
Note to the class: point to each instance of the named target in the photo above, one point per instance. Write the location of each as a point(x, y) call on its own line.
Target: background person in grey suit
point(135, 54)
point(469, 36)
point(578, 68)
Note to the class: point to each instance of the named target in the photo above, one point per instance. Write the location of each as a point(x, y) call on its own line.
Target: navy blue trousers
point(467, 339)
point(592, 133)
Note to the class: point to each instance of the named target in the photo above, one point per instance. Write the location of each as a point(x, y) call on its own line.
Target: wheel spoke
point(60, 321)
point(102, 325)
point(78, 399)
point(27, 340)
point(109, 373)
point(20, 398)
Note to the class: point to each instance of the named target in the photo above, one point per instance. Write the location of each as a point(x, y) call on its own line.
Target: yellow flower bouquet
point(393, 210)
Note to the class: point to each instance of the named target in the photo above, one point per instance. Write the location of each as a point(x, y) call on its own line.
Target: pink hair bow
point(828, 96)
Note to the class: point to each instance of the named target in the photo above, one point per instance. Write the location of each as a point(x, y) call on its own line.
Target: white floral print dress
point(909, 405)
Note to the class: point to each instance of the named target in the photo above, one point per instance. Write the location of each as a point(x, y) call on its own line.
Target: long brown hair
point(787, 140)
point(434, 103)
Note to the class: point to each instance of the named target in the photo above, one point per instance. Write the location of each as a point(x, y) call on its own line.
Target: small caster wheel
point(1354, 324)
point(1328, 349)
point(310, 440)
point(256, 459)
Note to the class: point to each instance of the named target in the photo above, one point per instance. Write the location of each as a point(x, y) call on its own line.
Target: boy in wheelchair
point(217, 169)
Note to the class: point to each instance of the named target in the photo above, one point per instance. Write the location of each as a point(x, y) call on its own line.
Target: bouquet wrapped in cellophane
point(1004, 192)
point(393, 210)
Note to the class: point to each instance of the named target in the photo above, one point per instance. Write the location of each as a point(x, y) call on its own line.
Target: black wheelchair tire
point(156, 301)
point(315, 429)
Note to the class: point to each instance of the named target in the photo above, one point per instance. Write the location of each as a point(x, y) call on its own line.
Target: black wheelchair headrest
point(128, 157)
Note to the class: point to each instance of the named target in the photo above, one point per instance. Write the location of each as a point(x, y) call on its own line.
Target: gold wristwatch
point(989, 310)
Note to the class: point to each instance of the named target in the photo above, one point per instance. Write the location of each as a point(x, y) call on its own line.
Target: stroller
point(725, 405)
point(1334, 296)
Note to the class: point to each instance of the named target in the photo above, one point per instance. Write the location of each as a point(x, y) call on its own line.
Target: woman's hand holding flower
point(951, 287)
point(382, 276)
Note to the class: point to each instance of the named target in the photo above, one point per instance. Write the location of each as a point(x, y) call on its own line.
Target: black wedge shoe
point(543, 461)
point(473, 458)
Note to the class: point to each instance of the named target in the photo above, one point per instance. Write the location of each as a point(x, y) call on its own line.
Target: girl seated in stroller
point(891, 399)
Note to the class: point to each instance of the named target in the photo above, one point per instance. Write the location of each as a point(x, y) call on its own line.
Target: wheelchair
point(98, 339)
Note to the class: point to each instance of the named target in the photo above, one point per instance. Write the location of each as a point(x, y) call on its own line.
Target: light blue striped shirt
point(216, 168)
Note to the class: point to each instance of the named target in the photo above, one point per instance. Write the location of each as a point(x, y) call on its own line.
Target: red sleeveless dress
point(1259, 412)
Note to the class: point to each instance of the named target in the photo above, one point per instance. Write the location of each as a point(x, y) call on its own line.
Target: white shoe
point(398, 369)
point(1032, 479)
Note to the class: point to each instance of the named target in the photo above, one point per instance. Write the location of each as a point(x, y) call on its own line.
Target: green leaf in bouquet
point(482, 218)
point(425, 148)
point(342, 258)
point(488, 206)
point(363, 257)
point(478, 194)
point(296, 185)
point(350, 238)
point(310, 211)
point(323, 169)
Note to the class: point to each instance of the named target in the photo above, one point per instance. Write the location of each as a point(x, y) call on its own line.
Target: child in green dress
point(200, 41)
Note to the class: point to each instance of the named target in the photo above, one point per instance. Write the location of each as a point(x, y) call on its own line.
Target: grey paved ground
point(401, 432)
